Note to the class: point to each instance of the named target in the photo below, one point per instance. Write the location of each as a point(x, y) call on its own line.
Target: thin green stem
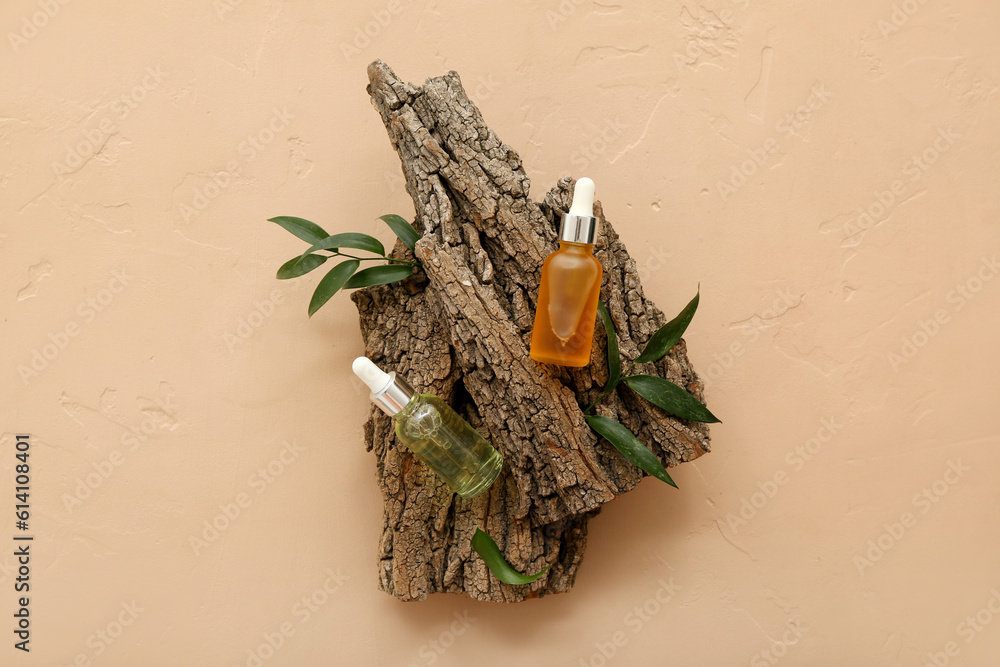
point(402, 261)
point(608, 390)
point(369, 259)
point(603, 393)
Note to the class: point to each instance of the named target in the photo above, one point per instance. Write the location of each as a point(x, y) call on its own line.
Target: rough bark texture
point(460, 328)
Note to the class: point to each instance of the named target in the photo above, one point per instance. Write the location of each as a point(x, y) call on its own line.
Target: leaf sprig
point(656, 390)
point(345, 275)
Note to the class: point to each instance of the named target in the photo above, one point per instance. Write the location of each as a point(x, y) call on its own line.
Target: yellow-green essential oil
point(434, 432)
point(448, 445)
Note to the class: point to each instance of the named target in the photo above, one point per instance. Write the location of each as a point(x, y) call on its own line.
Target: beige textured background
point(847, 514)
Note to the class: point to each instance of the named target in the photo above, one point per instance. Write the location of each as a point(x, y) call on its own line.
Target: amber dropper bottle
point(570, 286)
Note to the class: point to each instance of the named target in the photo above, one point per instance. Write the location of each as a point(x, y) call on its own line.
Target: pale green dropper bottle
point(434, 432)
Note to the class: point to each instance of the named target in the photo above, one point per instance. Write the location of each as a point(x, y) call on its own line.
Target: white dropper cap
point(389, 392)
point(580, 225)
point(373, 376)
point(583, 198)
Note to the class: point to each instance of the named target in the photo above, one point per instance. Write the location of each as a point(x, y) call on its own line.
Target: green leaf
point(668, 335)
point(501, 569)
point(614, 359)
point(309, 232)
point(331, 283)
point(349, 240)
point(670, 397)
point(299, 266)
point(630, 446)
point(379, 275)
point(401, 228)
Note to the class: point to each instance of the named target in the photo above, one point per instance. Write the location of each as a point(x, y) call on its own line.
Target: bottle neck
point(576, 248)
point(407, 409)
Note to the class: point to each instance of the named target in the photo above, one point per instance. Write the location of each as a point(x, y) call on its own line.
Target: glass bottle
point(569, 288)
point(435, 433)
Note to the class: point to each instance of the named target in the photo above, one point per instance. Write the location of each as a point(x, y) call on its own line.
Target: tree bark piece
point(460, 328)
